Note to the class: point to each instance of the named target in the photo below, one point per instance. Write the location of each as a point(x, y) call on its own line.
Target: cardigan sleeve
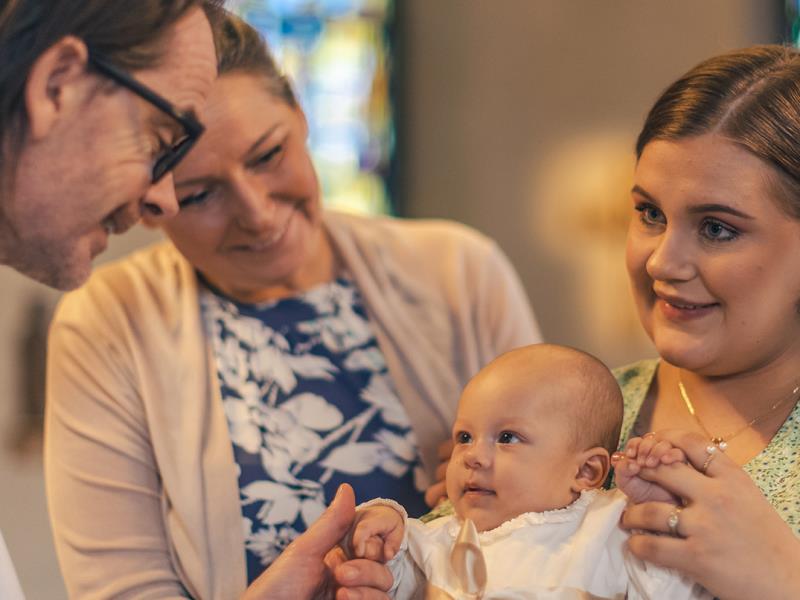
point(104, 490)
point(503, 309)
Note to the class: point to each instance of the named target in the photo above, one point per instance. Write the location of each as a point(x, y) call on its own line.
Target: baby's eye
point(463, 437)
point(508, 437)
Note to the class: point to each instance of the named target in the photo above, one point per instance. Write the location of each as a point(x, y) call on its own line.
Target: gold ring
point(704, 468)
point(649, 434)
point(673, 520)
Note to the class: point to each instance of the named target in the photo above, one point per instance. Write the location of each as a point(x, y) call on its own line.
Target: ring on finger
point(710, 457)
point(673, 520)
point(649, 434)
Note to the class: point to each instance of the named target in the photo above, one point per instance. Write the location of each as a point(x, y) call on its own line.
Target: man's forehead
point(188, 68)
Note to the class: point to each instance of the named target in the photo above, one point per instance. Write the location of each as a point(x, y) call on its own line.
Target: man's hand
point(438, 490)
point(377, 533)
point(312, 568)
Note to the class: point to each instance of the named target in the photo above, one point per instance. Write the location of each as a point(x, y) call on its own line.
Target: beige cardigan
point(139, 466)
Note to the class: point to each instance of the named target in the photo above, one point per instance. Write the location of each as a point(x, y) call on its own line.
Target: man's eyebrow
point(162, 119)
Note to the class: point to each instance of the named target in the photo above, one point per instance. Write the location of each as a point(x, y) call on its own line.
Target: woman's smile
point(271, 242)
point(676, 308)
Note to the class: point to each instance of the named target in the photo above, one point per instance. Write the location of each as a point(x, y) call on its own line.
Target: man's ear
point(54, 84)
point(593, 467)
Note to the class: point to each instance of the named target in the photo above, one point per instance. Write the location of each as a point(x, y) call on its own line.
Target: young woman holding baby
point(714, 259)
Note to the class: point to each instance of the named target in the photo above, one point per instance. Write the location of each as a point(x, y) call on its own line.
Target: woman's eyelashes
point(710, 228)
point(194, 199)
point(717, 231)
point(649, 214)
point(268, 158)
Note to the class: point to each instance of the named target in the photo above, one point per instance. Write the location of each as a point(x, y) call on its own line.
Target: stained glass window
point(337, 54)
point(793, 21)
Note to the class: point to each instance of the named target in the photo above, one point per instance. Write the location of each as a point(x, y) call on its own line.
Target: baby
point(533, 437)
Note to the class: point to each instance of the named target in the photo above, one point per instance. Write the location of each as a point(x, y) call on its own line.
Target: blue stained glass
point(336, 54)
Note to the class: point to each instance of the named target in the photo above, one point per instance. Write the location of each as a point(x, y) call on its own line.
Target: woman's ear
point(593, 467)
point(54, 83)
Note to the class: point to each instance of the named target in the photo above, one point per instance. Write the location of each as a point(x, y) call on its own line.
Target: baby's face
point(514, 452)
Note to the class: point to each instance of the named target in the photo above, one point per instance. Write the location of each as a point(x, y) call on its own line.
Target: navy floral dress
point(310, 405)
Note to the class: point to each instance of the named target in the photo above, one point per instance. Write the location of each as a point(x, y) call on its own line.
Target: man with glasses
point(87, 146)
point(97, 105)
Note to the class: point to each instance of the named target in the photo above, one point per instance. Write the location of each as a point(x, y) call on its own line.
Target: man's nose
point(160, 202)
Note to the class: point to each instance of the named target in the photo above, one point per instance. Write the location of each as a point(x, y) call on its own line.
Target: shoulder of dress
point(634, 373)
point(389, 231)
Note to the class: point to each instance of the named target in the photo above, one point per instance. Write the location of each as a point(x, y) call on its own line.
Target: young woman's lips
point(683, 310)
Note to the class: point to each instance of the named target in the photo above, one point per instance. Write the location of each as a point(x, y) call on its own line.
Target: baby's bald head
point(561, 382)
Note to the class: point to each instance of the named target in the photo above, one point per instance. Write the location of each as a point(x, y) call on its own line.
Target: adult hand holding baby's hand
point(641, 452)
point(377, 533)
point(729, 538)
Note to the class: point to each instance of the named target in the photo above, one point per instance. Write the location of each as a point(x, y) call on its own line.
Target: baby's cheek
point(454, 480)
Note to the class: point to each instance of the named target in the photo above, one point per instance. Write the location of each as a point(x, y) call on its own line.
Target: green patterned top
point(776, 471)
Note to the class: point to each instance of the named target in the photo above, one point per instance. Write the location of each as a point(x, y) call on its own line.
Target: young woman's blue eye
point(463, 437)
point(508, 437)
point(717, 231)
point(649, 214)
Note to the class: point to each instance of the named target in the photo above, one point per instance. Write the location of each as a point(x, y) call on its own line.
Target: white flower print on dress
point(299, 440)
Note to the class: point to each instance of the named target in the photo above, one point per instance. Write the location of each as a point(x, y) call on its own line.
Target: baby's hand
point(376, 533)
point(642, 452)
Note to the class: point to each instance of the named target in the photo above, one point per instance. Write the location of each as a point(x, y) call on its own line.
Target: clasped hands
point(728, 538)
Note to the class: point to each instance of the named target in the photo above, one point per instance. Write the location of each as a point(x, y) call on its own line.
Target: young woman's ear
point(55, 83)
point(592, 471)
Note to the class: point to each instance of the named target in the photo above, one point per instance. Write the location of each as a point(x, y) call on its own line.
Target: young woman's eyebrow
point(706, 207)
point(639, 190)
point(722, 208)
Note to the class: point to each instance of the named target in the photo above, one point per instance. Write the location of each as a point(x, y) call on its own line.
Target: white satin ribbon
point(468, 565)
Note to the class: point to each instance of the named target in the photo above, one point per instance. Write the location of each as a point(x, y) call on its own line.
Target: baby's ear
point(593, 466)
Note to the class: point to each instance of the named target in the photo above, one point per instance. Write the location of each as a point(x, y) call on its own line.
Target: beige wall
point(494, 88)
point(498, 86)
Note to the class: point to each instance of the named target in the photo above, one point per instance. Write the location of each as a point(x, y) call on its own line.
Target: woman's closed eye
point(269, 157)
point(508, 437)
point(194, 199)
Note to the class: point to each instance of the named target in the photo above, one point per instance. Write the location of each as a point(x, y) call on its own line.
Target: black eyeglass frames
point(187, 119)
